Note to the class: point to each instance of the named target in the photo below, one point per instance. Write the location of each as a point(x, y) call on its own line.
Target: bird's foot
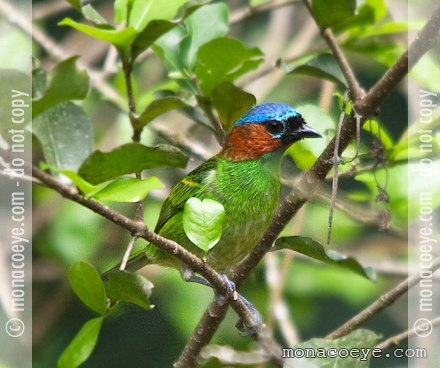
point(339, 161)
point(189, 276)
point(230, 291)
point(245, 330)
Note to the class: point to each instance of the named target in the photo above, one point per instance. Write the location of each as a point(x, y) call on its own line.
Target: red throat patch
point(248, 142)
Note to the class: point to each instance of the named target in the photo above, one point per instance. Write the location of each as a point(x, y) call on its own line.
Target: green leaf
point(190, 7)
point(144, 11)
point(379, 131)
point(323, 66)
point(258, 2)
point(329, 13)
point(231, 103)
point(390, 28)
point(82, 344)
point(168, 49)
point(128, 159)
point(203, 222)
point(92, 14)
point(130, 287)
point(383, 52)
point(305, 152)
point(315, 250)
point(124, 189)
point(205, 24)
point(39, 83)
point(154, 30)
point(77, 4)
point(224, 60)
point(84, 186)
point(66, 82)
point(358, 339)
point(118, 37)
point(368, 13)
point(65, 134)
point(128, 189)
point(88, 286)
point(178, 47)
point(159, 107)
point(121, 10)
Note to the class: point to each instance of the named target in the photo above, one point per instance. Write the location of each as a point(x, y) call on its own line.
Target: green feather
point(248, 190)
point(188, 187)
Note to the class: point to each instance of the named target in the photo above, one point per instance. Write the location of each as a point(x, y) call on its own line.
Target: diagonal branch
point(308, 184)
point(139, 230)
point(381, 303)
point(329, 38)
point(397, 339)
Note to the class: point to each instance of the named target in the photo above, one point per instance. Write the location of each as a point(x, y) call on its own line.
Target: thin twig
point(206, 107)
point(229, 356)
point(57, 53)
point(127, 67)
point(329, 38)
point(397, 339)
point(265, 78)
point(278, 307)
point(335, 172)
point(23, 177)
point(381, 303)
point(48, 8)
point(127, 253)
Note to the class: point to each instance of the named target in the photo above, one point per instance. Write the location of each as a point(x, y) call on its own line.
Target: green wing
point(190, 186)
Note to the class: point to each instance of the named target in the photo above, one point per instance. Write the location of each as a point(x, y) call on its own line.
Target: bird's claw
point(189, 276)
point(230, 291)
point(245, 330)
point(221, 299)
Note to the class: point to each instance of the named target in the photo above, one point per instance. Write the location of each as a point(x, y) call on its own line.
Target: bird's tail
point(136, 261)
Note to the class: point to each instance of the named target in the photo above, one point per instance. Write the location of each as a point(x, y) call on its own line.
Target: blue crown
point(268, 111)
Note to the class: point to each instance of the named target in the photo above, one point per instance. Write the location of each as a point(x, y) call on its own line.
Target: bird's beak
point(307, 132)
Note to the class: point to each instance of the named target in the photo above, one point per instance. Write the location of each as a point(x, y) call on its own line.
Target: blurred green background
point(319, 297)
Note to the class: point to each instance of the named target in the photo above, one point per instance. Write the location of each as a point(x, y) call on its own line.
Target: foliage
point(203, 222)
point(180, 63)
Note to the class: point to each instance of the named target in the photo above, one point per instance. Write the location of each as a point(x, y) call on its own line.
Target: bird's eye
point(274, 127)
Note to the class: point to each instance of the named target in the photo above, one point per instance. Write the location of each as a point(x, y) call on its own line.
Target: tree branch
point(329, 38)
point(381, 303)
point(57, 53)
point(139, 230)
point(308, 184)
point(127, 66)
point(397, 339)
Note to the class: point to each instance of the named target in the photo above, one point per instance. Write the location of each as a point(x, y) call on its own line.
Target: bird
point(244, 177)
